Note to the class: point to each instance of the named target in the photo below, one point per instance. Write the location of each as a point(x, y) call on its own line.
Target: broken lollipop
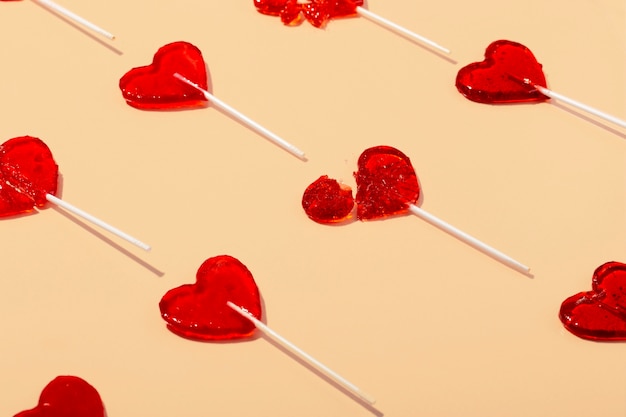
point(67, 396)
point(29, 178)
point(177, 79)
point(599, 314)
point(224, 304)
point(386, 186)
point(510, 73)
point(60, 10)
point(319, 12)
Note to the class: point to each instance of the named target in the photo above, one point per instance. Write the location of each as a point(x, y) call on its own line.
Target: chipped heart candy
point(503, 76)
point(599, 314)
point(67, 396)
point(153, 87)
point(316, 12)
point(199, 311)
point(386, 183)
point(27, 173)
point(326, 201)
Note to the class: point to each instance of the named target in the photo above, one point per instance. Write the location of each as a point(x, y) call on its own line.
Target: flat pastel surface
point(424, 323)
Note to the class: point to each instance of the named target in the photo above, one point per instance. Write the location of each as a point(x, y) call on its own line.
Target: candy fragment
point(27, 173)
point(67, 396)
point(386, 183)
point(599, 314)
point(326, 201)
point(153, 87)
point(199, 311)
point(507, 75)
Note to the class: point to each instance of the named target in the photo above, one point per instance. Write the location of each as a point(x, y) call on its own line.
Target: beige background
point(426, 324)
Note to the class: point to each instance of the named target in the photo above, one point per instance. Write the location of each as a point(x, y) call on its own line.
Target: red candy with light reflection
point(316, 12)
point(326, 201)
point(386, 183)
point(67, 396)
point(154, 87)
point(501, 78)
point(27, 173)
point(199, 311)
point(599, 314)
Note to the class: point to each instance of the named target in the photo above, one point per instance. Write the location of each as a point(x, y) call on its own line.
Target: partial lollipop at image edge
point(62, 11)
point(600, 314)
point(387, 185)
point(319, 12)
point(67, 396)
point(511, 74)
point(225, 304)
point(177, 80)
point(29, 176)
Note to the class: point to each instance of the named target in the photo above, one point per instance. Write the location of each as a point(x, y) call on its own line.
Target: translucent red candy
point(199, 311)
point(599, 314)
point(316, 12)
point(27, 173)
point(67, 396)
point(386, 183)
point(502, 76)
point(326, 201)
point(154, 87)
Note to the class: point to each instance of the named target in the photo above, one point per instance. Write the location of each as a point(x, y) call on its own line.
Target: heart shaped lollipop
point(386, 183)
point(153, 87)
point(177, 79)
point(599, 314)
point(67, 396)
point(504, 76)
point(27, 174)
point(199, 311)
point(326, 201)
point(224, 304)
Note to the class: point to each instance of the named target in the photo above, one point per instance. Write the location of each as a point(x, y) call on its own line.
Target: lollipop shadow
point(80, 29)
point(326, 378)
point(101, 236)
point(589, 119)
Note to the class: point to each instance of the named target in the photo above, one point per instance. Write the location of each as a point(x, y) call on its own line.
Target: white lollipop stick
point(580, 105)
point(302, 355)
point(73, 16)
point(470, 240)
point(245, 120)
point(67, 206)
point(398, 29)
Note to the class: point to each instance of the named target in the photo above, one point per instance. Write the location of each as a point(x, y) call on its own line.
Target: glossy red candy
point(501, 77)
point(386, 183)
point(154, 87)
point(599, 314)
point(326, 201)
point(67, 396)
point(199, 311)
point(316, 12)
point(27, 173)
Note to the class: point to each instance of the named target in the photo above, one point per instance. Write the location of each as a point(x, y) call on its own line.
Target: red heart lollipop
point(386, 183)
point(599, 314)
point(199, 311)
point(67, 396)
point(154, 87)
point(316, 12)
point(504, 76)
point(27, 173)
point(326, 201)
